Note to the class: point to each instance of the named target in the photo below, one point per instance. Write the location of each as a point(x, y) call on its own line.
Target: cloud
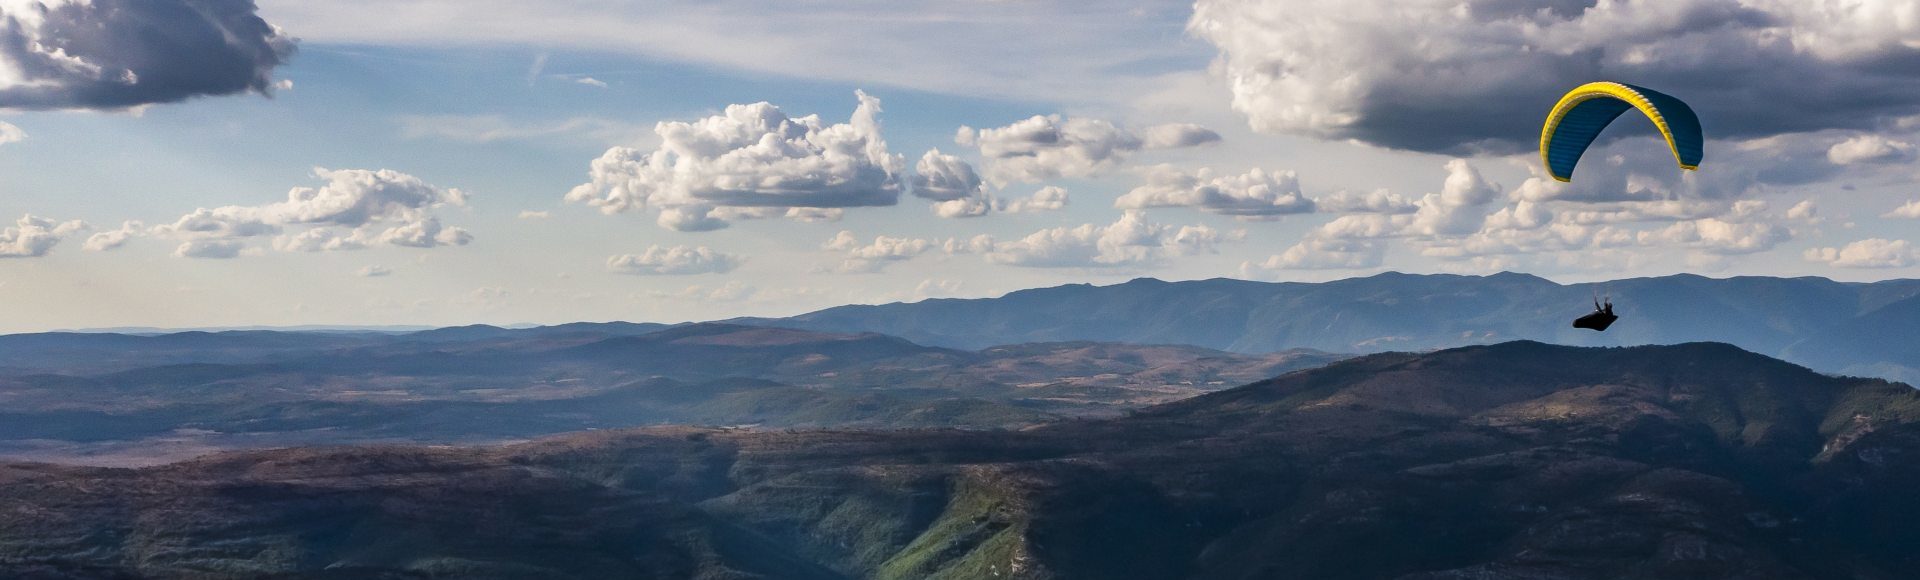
point(957, 191)
point(591, 82)
point(355, 209)
point(1908, 211)
point(539, 67)
point(1040, 148)
point(1377, 201)
point(424, 233)
point(1638, 174)
point(1049, 198)
point(221, 222)
point(978, 244)
point(117, 54)
point(964, 207)
point(942, 177)
point(1177, 135)
point(108, 240)
point(934, 289)
point(373, 272)
point(212, 249)
point(1649, 211)
point(1515, 233)
point(1459, 208)
point(750, 156)
point(33, 236)
point(731, 291)
point(320, 240)
point(1130, 241)
point(1463, 223)
point(1716, 236)
point(814, 214)
point(1255, 194)
point(1472, 76)
point(1321, 254)
point(1870, 149)
point(527, 214)
point(1868, 253)
point(674, 261)
point(872, 257)
point(1807, 211)
point(357, 197)
point(11, 134)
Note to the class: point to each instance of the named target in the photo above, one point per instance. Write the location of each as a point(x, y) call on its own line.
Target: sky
point(211, 163)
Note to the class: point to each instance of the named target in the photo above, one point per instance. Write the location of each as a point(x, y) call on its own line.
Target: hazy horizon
point(403, 326)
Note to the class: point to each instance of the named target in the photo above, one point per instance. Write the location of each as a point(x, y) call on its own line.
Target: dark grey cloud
point(115, 54)
point(1478, 76)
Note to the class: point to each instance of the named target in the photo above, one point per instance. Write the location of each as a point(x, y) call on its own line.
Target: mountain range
point(106, 398)
point(1513, 460)
point(1839, 327)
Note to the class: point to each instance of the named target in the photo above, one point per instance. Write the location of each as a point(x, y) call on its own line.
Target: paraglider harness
point(1601, 318)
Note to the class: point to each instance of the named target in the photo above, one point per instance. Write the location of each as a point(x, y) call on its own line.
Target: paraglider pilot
point(1601, 318)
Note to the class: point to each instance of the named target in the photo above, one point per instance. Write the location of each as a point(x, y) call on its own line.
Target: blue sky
point(1217, 139)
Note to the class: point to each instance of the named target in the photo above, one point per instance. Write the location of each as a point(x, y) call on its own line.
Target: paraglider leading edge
point(1582, 113)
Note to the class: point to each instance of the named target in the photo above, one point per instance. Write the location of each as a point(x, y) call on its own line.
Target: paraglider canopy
point(1579, 117)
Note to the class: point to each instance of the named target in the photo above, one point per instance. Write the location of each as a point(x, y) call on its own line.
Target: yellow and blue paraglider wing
point(1580, 116)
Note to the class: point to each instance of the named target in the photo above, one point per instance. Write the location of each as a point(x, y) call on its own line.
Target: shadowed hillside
point(1516, 460)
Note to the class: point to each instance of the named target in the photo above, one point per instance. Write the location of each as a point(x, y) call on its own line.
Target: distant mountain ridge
point(1828, 325)
point(117, 398)
point(1837, 327)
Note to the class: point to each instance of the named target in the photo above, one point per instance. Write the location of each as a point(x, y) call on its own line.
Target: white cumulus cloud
point(866, 257)
point(355, 209)
point(33, 236)
point(1807, 211)
point(1321, 254)
point(1130, 241)
point(955, 188)
point(1909, 211)
point(108, 240)
point(1716, 236)
point(1044, 147)
point(1868, 253)
point(211, 249)
point(675, 261)
point(1177, 135)
point(1870, 149)
point(1255, 194)
point(1377, 201)
point(1049, 198)
point(750, 156)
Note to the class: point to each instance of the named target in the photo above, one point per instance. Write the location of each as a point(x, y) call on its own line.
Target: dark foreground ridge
point(1515, 460)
